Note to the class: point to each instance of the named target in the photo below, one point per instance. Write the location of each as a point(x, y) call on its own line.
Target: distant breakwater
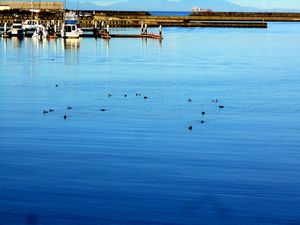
point(89, 18)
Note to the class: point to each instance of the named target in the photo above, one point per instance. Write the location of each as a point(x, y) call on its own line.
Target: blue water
point(137, 162)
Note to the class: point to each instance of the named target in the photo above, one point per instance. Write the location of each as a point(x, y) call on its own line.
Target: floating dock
point(147, 36)
point(105, 34)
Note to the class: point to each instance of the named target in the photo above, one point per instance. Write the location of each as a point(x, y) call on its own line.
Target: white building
point(4, 7)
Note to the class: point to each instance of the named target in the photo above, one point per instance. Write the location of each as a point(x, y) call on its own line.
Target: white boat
point(71, 28)
point(29, 26)
point(197, 10)
point(40, 33)
point(17, 29)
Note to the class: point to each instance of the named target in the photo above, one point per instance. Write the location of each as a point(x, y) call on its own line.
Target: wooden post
point(160, 30)
point(55, 29)
point(5, 31)
point(95, 28)
point(107, 32)
point(142, 28)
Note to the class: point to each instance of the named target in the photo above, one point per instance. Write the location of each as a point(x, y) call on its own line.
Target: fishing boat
point(71, 27)
point(17, 29)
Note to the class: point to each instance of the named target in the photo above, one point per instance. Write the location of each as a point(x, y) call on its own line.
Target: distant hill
point(160, 5)
point(152, 5)
point(163, 5)
point(82, 6)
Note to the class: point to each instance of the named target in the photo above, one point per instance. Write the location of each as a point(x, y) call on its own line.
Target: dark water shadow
point(31, 219)
point(201, 205)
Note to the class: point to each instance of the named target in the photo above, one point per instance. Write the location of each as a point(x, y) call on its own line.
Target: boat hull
point(71, 35)
point(17, 33)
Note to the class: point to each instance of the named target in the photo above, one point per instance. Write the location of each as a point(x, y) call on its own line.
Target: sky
point(269, 4)
point(261, 4)
point(187, 4)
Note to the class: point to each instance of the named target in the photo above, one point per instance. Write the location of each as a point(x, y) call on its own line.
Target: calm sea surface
point(137, 162)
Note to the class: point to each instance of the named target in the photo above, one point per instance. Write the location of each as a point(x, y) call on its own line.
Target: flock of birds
point(203, 113)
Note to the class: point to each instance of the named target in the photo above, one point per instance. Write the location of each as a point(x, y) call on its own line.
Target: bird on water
point(65, 117)
point(70, 108)
point(190, 127)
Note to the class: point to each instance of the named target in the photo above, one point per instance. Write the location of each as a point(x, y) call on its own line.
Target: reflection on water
point(70, 48)
point(40, 42)
point(71, 44)
point(17, 42)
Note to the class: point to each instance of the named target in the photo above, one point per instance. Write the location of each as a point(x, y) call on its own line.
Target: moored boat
point(17, 29)
point(29, 26)
point(71, 27)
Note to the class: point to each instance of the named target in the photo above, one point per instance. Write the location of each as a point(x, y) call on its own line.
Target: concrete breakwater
point(248, 16)
point(89, 19)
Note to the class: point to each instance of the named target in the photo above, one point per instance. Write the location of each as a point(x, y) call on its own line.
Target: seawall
point(135, 19)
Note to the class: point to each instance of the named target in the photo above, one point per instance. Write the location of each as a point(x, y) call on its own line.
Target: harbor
point(71, 30)
point(51, 18)
point(86, 24)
